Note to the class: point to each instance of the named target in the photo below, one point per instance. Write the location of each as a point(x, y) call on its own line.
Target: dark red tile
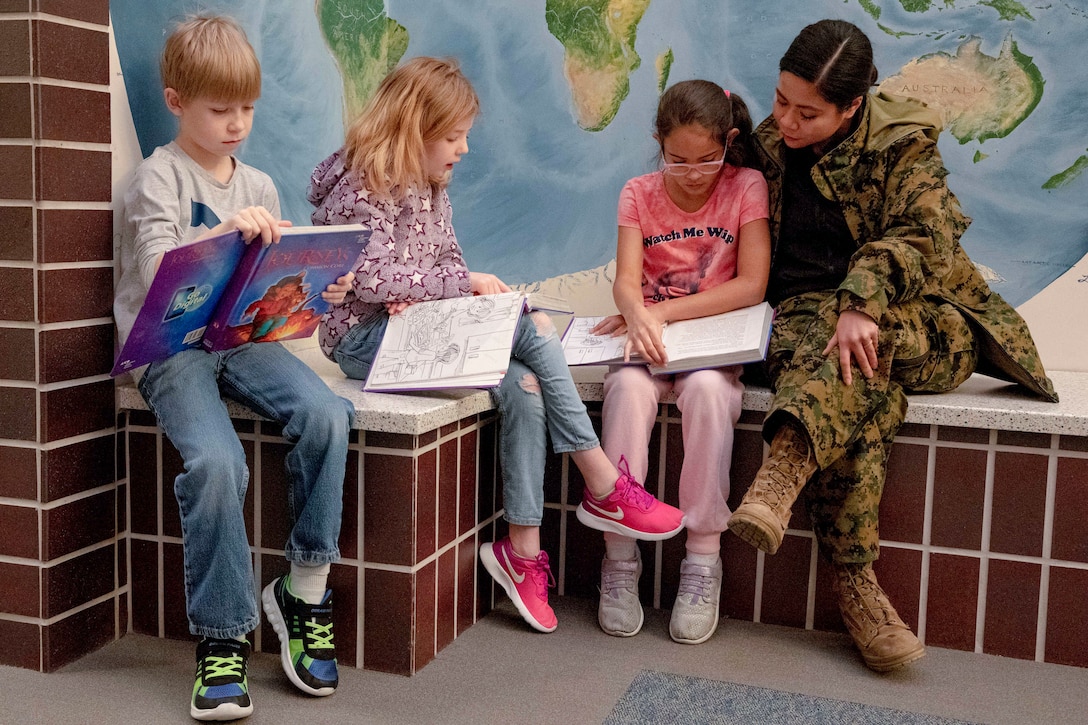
point(18, 361)
point(18, 473)
point(73, 175)
point(78, 524)
point(22, 641)
point(272, 567)
point(143, 472)
point(275, 511)
point(175, 621)
point(71, 53)
point(825, 615)
point(73, 114)
point(75, 235)
point(899, 572)
point(1067, 617)
point(738, 578)
point(90, 11)
point(672, 553)
point(1012, 609)
point(77, 581)
point(77, 410)
point(785, 583)
point(378, 439)
point(349, 527)
point(445, 602)
point(16, 285)
point(747, 458)
point(467, 484)
point(14, 48)
point(18, 414)
point(16, 228)
point(20, 527)
point(388, 521)
point(448, 429)
point(953, 434)
point(425, 521)
point(466, 584)
point(959, 489)
point(673, 462)
point(144, 586)
point(1019, 504)
point(903, 504)
point(1024, 439)
point(20, 590)
point(77, 467)
point(913, 430)
point(76, 352)
point(387, 621)
point(488, 467)
point(1074, 443)
point(584, 551)
point(952, 603)
point(344, 582)
point(424, 616)
point(89, 294)
point(448, 483)
point(79, 634)
point(1070, 538)
point(553, 478)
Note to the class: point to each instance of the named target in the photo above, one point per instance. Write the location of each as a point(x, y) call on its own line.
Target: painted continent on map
point(598, 38)
point(366, 44)
point(979, 96)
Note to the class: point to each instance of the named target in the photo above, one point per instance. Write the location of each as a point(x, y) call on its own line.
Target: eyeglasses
point(705, 168)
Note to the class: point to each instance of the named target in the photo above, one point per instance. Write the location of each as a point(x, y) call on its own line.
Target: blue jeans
point(536, 398)
point(186, 393)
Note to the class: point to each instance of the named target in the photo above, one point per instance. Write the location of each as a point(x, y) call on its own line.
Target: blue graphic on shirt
point(202, 214)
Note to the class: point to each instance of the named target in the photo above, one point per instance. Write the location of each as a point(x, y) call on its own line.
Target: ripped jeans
point(536, 398)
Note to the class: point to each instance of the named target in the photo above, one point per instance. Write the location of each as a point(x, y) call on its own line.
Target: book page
point(716, 334)
point(438, 343)
point(581, 347)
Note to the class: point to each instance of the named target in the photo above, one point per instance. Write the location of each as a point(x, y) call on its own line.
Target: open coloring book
point(460, 342)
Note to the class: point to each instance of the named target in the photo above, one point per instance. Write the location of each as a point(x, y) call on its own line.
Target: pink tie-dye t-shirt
point(684, 253)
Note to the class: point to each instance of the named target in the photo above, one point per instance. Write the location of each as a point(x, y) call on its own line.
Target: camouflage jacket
point(889, 180)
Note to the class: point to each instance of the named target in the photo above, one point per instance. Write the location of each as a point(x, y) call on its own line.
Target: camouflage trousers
point(924, 346)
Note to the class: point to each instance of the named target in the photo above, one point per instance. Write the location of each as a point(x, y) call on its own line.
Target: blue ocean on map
point(536, 195)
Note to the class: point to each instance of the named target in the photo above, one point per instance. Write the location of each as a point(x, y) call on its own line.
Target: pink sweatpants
point(709, 403)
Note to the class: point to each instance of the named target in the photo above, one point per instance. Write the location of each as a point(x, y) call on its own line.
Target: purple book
point(220, 292)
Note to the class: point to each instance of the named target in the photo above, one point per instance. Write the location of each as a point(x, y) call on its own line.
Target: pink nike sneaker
point(630, 510)
point(525, 581)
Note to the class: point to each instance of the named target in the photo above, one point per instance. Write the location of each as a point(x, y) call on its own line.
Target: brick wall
point(62, 564)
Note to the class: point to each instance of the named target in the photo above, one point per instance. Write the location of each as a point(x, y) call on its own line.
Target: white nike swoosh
point(510, 568)
point(615, 515)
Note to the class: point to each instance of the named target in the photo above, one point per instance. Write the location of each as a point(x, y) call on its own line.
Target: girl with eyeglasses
point(693, 241)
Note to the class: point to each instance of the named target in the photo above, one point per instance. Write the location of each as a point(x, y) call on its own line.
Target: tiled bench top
point(981, 402)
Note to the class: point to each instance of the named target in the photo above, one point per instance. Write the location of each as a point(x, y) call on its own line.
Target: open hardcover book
point(731, 338)
point(220, 292)
point(460, 342)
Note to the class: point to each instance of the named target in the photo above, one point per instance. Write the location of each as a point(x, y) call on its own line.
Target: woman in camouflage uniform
point(875, 298)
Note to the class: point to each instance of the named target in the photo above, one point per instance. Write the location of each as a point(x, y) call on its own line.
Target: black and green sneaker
point(221, 691)
point(307, 652)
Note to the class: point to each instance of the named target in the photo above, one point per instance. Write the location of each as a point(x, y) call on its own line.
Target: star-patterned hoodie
point(413, 254)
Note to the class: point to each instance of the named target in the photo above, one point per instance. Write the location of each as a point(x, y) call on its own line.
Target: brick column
point(62, 551)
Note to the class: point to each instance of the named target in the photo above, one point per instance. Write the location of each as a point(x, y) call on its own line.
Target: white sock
point(620, 549)
point(702, 559)
point(309, 583)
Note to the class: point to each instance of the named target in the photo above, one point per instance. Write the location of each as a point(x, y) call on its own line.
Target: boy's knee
point(543, 323)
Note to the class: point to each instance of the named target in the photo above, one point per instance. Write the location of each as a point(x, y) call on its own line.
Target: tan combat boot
point(764, 512)
point(884, 639)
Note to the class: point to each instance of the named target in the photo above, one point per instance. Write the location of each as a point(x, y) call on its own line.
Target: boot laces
point(614, 580)
point(869, 596)
point(696, 585)
point(541, 573)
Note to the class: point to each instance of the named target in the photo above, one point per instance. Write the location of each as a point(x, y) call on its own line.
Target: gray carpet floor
point(500, 671)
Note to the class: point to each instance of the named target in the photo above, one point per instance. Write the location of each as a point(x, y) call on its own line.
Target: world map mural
point(568, 90)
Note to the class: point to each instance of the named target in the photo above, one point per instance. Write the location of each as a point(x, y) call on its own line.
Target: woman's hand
point(856, 337)
point(644, 337)
point(481, 283)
